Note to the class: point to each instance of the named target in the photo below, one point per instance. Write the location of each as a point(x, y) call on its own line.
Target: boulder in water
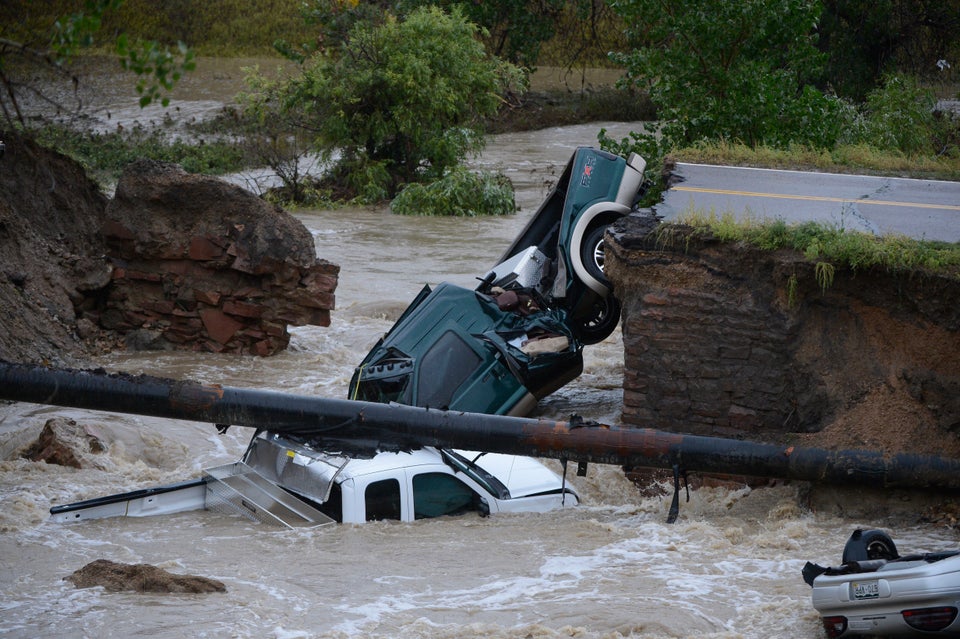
point(117, 577)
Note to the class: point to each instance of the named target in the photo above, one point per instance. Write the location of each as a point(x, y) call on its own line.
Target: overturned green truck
point(519, 335)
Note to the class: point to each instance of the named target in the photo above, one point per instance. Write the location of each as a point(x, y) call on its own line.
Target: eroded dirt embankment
point(173, 261)
point(726, 340)
point(50, 245)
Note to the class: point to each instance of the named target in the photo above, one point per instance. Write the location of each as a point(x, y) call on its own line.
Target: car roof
point(521, 475)
point(389, 460)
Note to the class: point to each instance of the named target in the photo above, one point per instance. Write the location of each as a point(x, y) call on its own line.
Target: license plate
point(865, 589)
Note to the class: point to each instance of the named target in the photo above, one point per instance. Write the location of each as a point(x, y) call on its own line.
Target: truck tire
point(602, 320)
point(864, 545)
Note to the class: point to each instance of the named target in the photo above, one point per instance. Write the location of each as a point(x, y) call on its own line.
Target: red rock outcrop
point(201, 264)
point(65, 443)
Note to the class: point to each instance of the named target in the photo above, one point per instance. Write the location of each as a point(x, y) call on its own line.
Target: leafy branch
point(157, 68)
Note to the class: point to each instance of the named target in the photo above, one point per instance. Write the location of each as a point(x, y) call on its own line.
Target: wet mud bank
point(727, 340)
point(50, 251)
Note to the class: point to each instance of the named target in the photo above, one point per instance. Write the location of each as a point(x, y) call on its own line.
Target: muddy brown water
point(729, 568)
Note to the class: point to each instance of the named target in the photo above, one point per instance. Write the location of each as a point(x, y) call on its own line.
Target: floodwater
point(611, 567)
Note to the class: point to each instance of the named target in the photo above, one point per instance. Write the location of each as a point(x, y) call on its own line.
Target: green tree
point(274, 132)
point(55, 46)
point(513, 31)
point(737, 70)
point(332, 21)
point(399, 102)
point(867, 40)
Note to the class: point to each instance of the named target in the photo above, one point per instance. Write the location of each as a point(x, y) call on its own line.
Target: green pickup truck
point(519, 335)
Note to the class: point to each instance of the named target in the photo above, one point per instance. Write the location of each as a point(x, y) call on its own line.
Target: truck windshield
point(444, 368)
point(387, 380)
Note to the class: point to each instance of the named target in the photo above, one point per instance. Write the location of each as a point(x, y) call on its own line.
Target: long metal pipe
point(398, 426)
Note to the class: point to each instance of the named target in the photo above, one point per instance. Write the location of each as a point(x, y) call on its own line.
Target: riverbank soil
point(174, 261)
point(538, 109)
point(726, 340)
point(50, 251)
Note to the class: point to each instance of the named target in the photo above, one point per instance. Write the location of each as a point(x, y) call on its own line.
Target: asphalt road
point(924, 209)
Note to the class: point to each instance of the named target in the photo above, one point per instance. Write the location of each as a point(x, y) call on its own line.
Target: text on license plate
point(865, 589)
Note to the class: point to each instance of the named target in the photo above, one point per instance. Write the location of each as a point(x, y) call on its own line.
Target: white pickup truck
point(281, 480)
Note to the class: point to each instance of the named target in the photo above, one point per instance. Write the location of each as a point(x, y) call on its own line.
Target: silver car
point(875, 591)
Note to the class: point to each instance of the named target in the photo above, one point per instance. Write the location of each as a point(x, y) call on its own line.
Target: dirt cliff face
point(51, 251)
point(727, 340)
point(173, 261)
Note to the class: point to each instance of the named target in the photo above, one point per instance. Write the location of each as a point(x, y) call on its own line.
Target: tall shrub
point(735, 70)
point(401, 101)
point(899, 116)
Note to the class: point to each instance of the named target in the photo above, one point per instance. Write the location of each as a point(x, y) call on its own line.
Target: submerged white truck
point(283, 481)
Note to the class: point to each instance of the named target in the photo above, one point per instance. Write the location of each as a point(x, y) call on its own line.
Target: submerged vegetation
point(461, 193)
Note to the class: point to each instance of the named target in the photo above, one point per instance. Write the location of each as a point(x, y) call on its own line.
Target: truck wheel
point(869, 544)
point(601, 321)
point(591, 252)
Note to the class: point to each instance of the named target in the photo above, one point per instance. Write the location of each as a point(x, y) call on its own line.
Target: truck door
point(436, 494)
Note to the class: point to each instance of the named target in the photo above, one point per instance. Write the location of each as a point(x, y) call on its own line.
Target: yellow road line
point(817, 198)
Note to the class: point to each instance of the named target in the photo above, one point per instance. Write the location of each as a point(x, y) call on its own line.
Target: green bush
point(461, 193)
point(899, 116)
point(106, 154)
point(719, 70)
point(734, 70)
point(404, 98)
point(368, 179)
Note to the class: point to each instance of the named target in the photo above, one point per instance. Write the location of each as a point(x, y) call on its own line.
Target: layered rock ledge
point(173, 261)
point(728, 340)
point(200, 262)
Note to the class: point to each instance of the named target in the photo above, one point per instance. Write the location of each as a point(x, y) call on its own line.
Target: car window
point(443, 369)
point(384, 391)
point(383, 500)
point(438, 494)
point(388, 380)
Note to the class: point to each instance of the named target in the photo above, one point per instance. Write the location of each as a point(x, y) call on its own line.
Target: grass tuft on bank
point(831, 245)
point(104, 155)
point(842, 159)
